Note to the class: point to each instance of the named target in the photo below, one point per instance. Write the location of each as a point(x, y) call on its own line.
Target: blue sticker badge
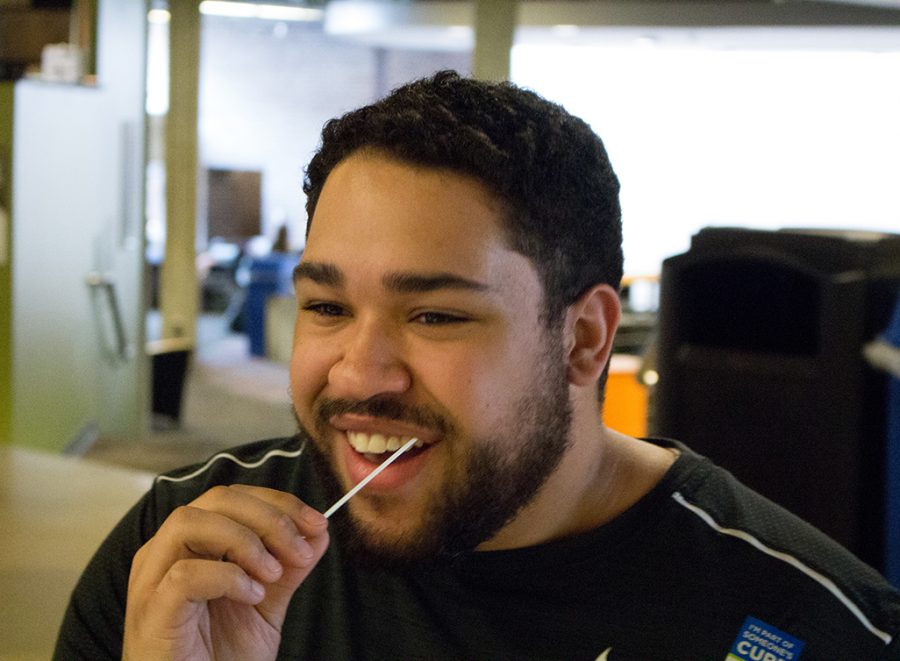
point(759, 641)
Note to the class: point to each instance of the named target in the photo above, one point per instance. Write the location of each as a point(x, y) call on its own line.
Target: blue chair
point(890, 341)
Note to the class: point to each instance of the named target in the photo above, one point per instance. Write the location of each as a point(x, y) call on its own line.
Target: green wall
point(6, 120)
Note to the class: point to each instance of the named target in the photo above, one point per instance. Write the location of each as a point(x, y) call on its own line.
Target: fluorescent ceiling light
point(283, 13)
point(437, 25)
point(257, 10)
point(349, 18)
point(233, 9)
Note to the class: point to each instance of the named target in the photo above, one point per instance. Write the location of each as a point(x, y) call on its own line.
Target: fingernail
point(256, 589)
point(303, 548)
point(313, 517)
point(272, 564)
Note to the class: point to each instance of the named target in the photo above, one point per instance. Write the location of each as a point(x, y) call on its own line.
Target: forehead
point(376, 209)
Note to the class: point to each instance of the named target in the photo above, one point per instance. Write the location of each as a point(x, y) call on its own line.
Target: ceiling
point(873, 25)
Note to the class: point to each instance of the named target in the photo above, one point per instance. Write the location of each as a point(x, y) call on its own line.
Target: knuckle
point(179, 573)
point(246, 537)
point(180, 514)
point(218, 492)
point(281, 499)
point(245, 546)
point(138, 558)
point(179, 519)
point(284, 525)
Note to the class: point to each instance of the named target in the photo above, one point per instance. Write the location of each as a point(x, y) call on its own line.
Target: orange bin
point(625, 409)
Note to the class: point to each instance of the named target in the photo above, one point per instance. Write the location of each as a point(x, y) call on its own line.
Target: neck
point(602, 475)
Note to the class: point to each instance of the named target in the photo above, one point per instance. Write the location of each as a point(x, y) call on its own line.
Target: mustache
point(385, 408)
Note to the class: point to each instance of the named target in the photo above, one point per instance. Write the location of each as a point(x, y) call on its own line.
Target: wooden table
point(54, 512)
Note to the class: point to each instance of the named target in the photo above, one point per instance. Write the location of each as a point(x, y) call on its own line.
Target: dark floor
point(230, 398)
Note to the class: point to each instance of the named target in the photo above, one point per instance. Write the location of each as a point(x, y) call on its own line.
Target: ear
point(591, 324)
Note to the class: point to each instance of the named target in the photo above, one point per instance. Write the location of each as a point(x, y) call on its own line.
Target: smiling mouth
point(375, 446)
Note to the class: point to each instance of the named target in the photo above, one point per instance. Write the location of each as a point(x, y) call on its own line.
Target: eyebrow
point(417, 283)
point(321, 274)
point(401, 282)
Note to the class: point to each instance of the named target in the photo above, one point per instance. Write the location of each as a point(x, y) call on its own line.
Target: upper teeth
point(377, 443)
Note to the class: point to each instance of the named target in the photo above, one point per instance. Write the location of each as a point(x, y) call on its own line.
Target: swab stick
point(368, 478)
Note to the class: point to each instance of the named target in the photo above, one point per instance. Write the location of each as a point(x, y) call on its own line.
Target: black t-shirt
point(700, 568)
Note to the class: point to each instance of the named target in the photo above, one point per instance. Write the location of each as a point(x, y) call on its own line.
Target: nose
point(370, 364)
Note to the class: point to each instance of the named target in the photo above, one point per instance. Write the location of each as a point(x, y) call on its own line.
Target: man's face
point(415, 320)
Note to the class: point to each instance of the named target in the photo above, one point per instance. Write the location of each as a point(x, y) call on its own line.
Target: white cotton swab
point(368, 478)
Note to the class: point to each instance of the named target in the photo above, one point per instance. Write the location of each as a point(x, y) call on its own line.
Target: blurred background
point(151, 211)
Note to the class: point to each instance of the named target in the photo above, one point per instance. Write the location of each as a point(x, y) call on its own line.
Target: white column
point(495, 23)
point(179, 292)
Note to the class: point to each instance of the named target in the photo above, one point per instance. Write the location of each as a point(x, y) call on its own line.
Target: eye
point(325, 309)
point(432, 318)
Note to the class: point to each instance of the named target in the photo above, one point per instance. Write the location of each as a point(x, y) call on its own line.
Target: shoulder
point(257, 460)
point(785, 567)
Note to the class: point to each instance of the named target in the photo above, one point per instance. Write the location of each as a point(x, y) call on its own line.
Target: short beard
point(497, 481)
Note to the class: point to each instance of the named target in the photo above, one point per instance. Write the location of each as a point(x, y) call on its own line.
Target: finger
point(309, 521)
point(205, 580)
point(191, 532)
point(312, 525)
point(192, 583)
point(278, 594)
point(285, 524)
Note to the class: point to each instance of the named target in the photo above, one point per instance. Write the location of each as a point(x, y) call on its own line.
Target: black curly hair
point(551, 170)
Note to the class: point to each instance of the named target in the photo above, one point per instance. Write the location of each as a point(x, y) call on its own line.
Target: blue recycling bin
point(891, 335)
point(268, 276)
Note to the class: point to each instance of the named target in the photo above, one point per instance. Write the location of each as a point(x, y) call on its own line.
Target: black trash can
point(761, 369)
point(170, 361)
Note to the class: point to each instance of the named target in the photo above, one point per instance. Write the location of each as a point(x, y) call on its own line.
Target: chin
point(376, 546)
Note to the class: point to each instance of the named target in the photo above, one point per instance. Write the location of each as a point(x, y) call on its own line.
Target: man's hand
point(216, 579)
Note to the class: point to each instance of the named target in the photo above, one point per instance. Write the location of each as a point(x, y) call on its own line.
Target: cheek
point(308, 374)
point(504, 378)
point(475, 388)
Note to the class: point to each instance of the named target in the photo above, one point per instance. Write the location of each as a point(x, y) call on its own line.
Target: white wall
point(267, 88)
point(751, 138)
point(699, 135)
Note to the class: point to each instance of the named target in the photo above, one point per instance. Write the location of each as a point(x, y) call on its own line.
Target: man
point(459, 286)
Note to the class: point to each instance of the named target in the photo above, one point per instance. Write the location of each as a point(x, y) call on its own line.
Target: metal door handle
point(97, 280)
